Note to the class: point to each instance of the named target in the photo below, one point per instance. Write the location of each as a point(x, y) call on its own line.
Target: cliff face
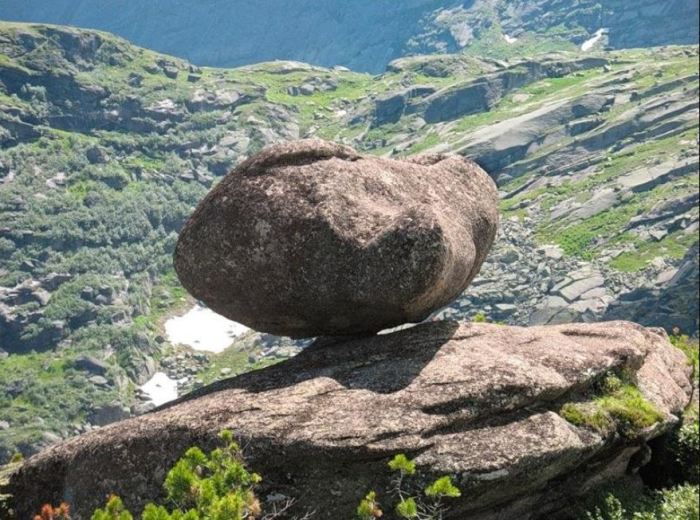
point(364, 34)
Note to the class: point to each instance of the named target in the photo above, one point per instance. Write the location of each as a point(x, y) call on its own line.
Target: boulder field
point(480, 402)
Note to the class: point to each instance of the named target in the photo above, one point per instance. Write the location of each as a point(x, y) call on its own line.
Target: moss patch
point(615, 402)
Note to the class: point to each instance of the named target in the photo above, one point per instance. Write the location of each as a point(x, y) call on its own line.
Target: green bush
point(615, 402)
point(680, 503)
point(114, 510)
point(369, 507)
point(201, 486)
point(409, 502)
point(689, 348)
point(686, 448)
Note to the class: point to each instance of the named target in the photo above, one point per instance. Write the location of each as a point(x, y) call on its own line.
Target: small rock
point(658, 234)
point(552, 251)
point(98, 380)
point(142, 408)
point(91, 364)
point(506, 308)
point(574, 290)
point(50, 437)
point(510, 256)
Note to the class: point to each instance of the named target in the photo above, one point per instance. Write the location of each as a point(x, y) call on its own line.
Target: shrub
point(369, 508)
point(202, 486)
point(680, 503)
point(114, 510)
point(16, 458)
point(479, 317)
point(689, 348)
point(410, 503)
point(214, 486)
point(686, 448)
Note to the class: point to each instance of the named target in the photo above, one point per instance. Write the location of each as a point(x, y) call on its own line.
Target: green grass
point(539, 92)
point(673, 246)
point(581, 239)
point(584, 238)
point(630, 409)
point(54, 396)
point(586, 415)
point(432, 139)
point(492, 44)
point(236, 358)
point(691, 348)
point(615, 402)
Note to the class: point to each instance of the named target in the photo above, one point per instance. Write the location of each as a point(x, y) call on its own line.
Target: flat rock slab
point(477, 401)
point(310, 238)
point(574, 290)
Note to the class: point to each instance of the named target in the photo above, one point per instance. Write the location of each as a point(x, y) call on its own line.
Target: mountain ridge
point(367, 35)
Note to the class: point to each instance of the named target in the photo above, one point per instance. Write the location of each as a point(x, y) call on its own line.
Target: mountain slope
point(107, 147)
point(366, 34)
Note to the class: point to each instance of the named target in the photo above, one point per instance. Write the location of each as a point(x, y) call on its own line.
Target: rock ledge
point(477, 401)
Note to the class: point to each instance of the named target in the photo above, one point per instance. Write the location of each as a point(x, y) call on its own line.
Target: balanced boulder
point(310, 238)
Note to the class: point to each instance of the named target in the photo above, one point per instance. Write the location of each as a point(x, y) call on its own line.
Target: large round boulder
point(310, 238)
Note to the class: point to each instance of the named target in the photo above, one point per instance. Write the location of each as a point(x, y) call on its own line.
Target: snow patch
point(590, 43)
point(397, 328)
point(160, 388)
point(510, 39)
point(203, 329)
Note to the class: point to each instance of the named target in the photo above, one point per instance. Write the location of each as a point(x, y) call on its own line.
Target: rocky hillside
point(107, 148)
point(366, 34)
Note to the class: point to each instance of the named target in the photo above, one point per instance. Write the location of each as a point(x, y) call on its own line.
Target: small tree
point(201, 486)
point(411, 502)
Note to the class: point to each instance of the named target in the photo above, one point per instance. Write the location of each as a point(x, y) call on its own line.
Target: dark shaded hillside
point(363, 34)
point(366, 34)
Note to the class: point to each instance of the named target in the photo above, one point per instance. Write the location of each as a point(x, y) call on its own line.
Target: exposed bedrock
point(479, 402)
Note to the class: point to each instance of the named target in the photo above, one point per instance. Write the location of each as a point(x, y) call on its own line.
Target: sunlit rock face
point(483, 403)
point(310, 238)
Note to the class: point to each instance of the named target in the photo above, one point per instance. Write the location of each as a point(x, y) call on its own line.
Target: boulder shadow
point(384, 363)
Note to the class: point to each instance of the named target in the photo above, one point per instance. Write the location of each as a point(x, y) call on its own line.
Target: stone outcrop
point(479, 402)
point(674, 302)
point(311, 238)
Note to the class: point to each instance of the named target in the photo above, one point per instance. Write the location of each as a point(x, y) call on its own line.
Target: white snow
point(590, 43)
point(397, 328)
point(160, 388)
point(510, 39)
point(203, 329)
